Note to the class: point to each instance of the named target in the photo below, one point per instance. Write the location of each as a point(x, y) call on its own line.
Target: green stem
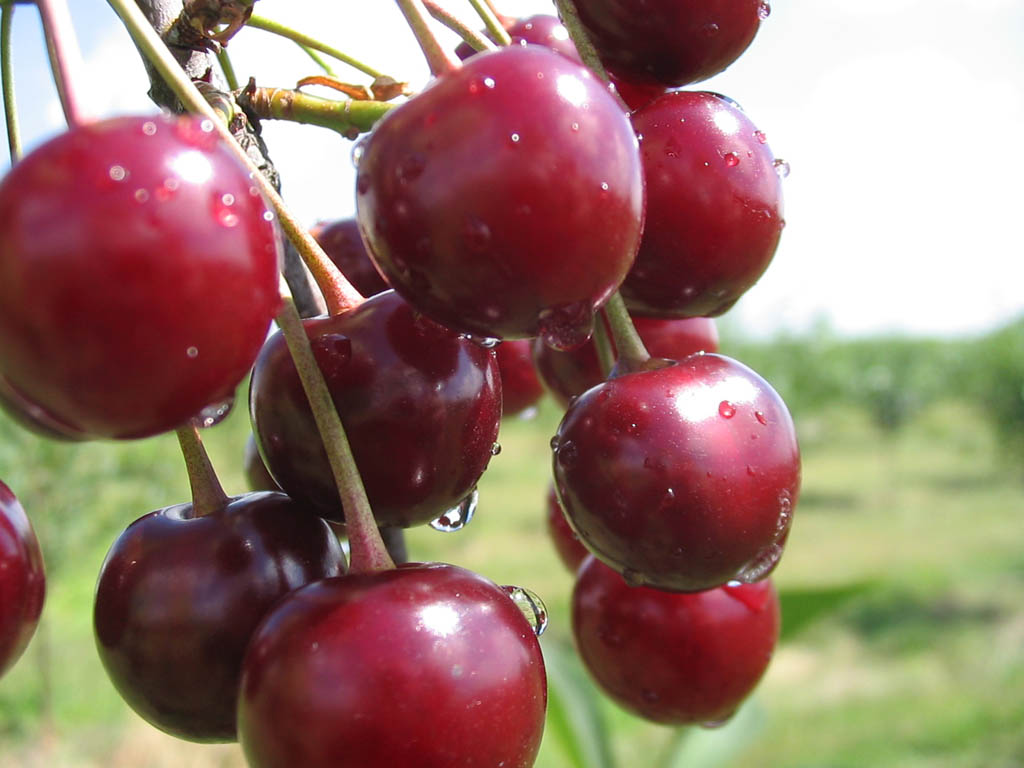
point(348, 117)
point(320, 60)
point(339, 294)
point(7, 80)
point(368, 553)
point(207, 494)
point(463, 30)
point(494, 28)
point(274, 27)
point(227, 68)
point(65, 56)
point(438, 59)
point(571, 20)
point(632, 354)
point(603, 346)
point(675, 741)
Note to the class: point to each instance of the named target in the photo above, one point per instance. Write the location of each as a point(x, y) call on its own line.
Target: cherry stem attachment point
point(65, 57)
point(438, 59)
point(306, 41)
point(632, 354)
point(7, 83)
point(463, 30)
point(207, 493)
point(490, 19)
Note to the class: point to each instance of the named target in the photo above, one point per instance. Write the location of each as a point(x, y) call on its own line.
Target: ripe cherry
point(714, 207)
point(506, 200)
point(429, 665)
point(520, 387)
point(567, 544)
point(683, 477)
point(669, 657)
point(138, 275)
point(342, 242)
point(179, 597)
point(22, 580)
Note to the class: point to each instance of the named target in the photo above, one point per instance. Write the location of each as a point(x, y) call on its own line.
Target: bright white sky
point(901, 120)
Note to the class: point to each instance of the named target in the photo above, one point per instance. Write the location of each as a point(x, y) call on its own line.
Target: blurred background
point(890, 321)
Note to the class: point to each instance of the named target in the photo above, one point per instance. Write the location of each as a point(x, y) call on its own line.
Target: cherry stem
point(470, 35)
point(502, 18)
point(588, 54)
point(7, 80)
point(227, 68)
point(438, 59)
point(632, 354)
point(339, 294)
point(490, 19)
point(207, 493)
point(349, 117)
point(368, 553)
point(603, 346)
point(259, 22)
point(65, 56)
point(320, 60)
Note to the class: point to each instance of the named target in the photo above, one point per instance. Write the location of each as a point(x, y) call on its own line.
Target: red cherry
point(520, 387)
point(430, 666)
point(674, 658)
point(22, 580)
point(138, 275)
point(179, 597)
point(421, 406)
point(570, 550)
point(682, 477)
point(540, 29)
point(714, 207)
point(256, 473)
point(342, 242)
point(506, 200)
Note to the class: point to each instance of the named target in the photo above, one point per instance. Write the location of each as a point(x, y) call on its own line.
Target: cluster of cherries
point(497, 212)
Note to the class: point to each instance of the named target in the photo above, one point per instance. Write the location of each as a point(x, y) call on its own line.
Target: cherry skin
point(138, 274)
point(506, 200)
point(179, 597)
point(29, 415)
point(541, 29)
point(257, 475)
point(683, 477)
point(674, 658)
point(421, 407)
point(714, 207)
point(567, 544)
point(22, 580)
point(428, 665)
point(342, 242)
point(569, 374)
point(520, 387)
point(670, 42)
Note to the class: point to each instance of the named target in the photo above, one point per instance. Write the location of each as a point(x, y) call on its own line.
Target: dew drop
point(712, 724)
point(458, 517)
point(488, 82)
point(750, 471)
point(575, 127)
point(268, 215)
point(761, 418)
point(761, 137)
point(141, 195)
point(554, 443)
point(604, 186)
point(759, 566)
point(149, 128)
point(710, 30)
point(486, 342)
point(206, 126)
point(117, 173)
point(223, 213)
point(495, 449)
point(764, 10)
point(781, 168)
point(726, 409)
point(566, 453)
point(731, 159)
point(358, 150)
point(515, 138)
point(192, 352)
point(531, 606)
point(214, 414)
point(228, 199)
point(567, 326)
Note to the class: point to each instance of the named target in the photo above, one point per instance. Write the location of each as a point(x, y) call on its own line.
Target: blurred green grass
point(925, 668)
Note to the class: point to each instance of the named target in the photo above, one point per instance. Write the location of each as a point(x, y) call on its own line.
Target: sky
point(900, 120)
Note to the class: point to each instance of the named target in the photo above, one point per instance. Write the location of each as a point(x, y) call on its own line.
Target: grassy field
point(922, 665)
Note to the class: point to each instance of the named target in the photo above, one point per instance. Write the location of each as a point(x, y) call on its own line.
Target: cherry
point(540, 29)
point(506, 200)
point(31, 416)
point(138, 275)
point(342, 242)
point(714, 207)
point(256, 473)
point(669, 657)
point(179, 596)
point(421, 406)
point(427, 665)
point(520, 387)
point(682, 477)
point(567, 544)
point(22, 580)
point(569, 374)
point(668, 41)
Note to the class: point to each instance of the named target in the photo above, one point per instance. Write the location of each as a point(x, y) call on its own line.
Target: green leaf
point(801, 607)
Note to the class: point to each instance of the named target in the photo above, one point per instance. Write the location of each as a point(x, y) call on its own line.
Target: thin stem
point(259, 22)
point(676, 738)
point(339, 294)
point(491, 21)
point(320, 60)
point(368, 553)
point(632, 354)
point(7, 80)
point(227, 68)
point(502, 18)
point(588, 54)
point(603, 346)
point(349, 117)
point(65, 57)
point(463, 30)
point(207, 494)
point(438, 59)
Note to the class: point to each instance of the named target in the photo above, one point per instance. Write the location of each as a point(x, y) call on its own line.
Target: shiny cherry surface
point(179, 597)
point(669, 657)
point(571, 373)
point(520, 386)
point(568, 545)
point(506, 200)
point(714, 207)
point(342, 242)
point(421, 406)
point(138, 274)
point(22, 580)
point(671, 42)
point(682, 477)
point(430, 666)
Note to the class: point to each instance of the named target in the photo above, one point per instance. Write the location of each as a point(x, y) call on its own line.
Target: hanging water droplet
point(214, 414)
point(554, 443)
point(726, 409)
point(712, 724)
point(495, 449)
point(566, 453)
point(567, 326)
point(359, 149)
point(731, 159)
point(781, 168)
point(759, 566)
point(764, 11)
point(531, 606)
point(457, 517)
point(761, 137)
point(486, 342)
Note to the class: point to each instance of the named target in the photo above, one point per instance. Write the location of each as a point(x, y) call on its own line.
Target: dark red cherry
point(430, 666)
point(682, 477)
point(421, 406)
point(520, 387)
point(671, 42)
point(256, 473)
point(506, 200)
point(540, 29)
point(669, 657)
point(22, 580)
point(570, 551)
point(714, 207)
point(570, 374)
point(179, 597)
point(29, 415)
point(138, 274)
point(342, 242)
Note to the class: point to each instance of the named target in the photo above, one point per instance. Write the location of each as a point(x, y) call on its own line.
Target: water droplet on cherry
point(761, 137)
point(213, 414)
point(358, 150)
point(495, 449)
point(712, 724)
point(515, 138)
point(710, 30)
point(726, 409)
point(566, 453)
point(458, 517)
point(566, 327)
point(759, 566)
point(149, 128)
point(781, 168)
point(117, 173)
point(531, 606)
point(764, 11)
point(731, 159)
point(761, 418)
